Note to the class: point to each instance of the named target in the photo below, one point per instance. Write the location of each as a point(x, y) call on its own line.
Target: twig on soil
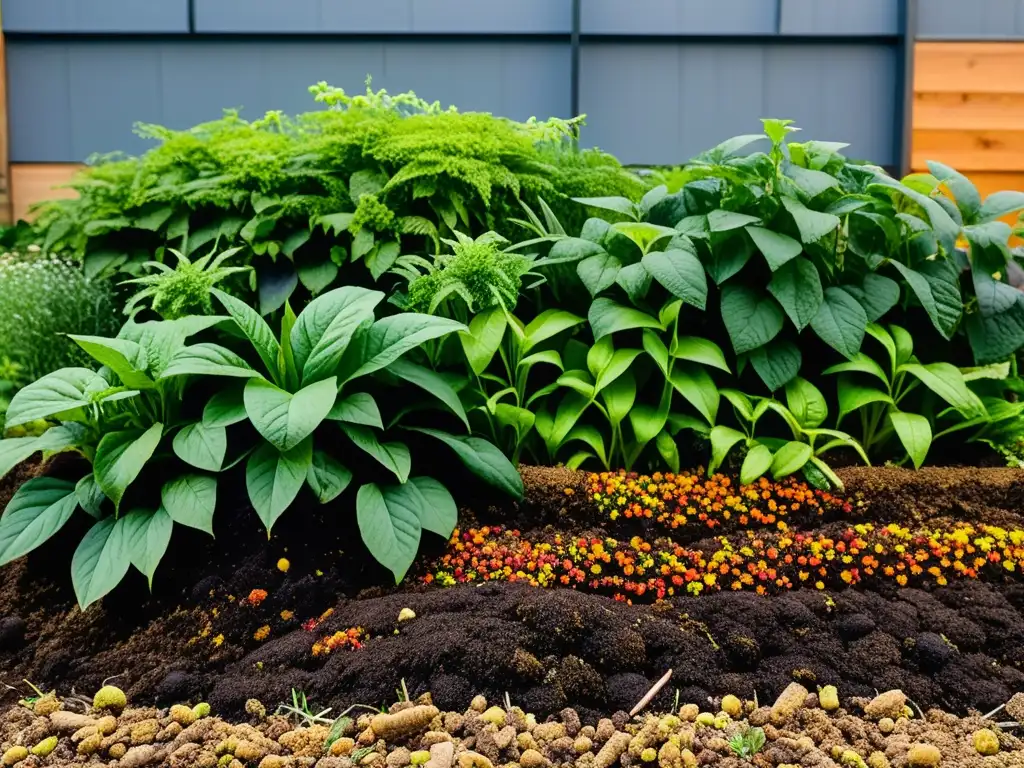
point(919, 712)
point(651, 694)
point(508, 702)
point(112, 677)
point(994, 711)
point(1010, 724)
point(367, 707)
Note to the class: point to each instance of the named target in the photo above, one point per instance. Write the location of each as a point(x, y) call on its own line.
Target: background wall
point(659, 80)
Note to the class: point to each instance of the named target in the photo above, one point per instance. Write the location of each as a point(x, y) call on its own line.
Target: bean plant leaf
point(394, 456)
point(680, 272)
point(698, 389)
point(635, 280)
point(327, 477)
point(547, 324)
point(201, 446)
point(777, 363)
point(390, 525)
point(15, 450)
point(37, 511)
point(357, 408)
point(914, 432)
point(812, 225)
point(777, 248)
point(841, 322)
point(273, 479)
point(481, 342)
point(55, 393)
point(433, 384)
point(147, 535)
point(100, 561)
point(946, 380)
point(255, 328)
point(483, 460)
point(439, 515)
point(806, 403)
point(964, 192)
point(756, 463)
point(325, 328)
point(226, 407)
point(723, 439)
point(191, 500)
point(751, 318)
point(599, 272)
point(854, 396)
point(125, 358)
point(790, 458)
point(284, 419)
point(797, 287)
point(608, 316)
point(90, 496)
point(877, 294)
point(379, 345)
point(205, 359)
point(999, 204)
point(698, 350)
point(724, 221)
point(121, 457)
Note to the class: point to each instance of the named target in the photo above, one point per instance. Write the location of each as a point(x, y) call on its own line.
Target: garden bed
point(245, 624)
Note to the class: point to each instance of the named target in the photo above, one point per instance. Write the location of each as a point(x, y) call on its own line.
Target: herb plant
point(747, 743)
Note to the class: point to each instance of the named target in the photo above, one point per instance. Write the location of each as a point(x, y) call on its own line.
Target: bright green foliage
point(42, 298)
point(185, 290)
point(747, 743)
point(361, 181)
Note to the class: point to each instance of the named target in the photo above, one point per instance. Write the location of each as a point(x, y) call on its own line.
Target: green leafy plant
point(184, 290)
point(747, 743)
point(887, 397)
point(43, 297)
point(303, 713)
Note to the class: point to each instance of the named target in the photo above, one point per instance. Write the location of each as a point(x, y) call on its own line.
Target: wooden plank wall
point(35, 182)
point(969, 111)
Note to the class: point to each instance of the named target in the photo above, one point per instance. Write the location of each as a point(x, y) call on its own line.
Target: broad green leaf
point(386, 340)
point(724, 221)
point(680, 273)
point(481, 342)
point(37, 511)
point(547, 357)
point(57, 392)
point(100, 561)
point(740, 402)
point(790, 458)
point(483, 459)
point(797, 287)
point(549, 323)
point(635, 280)
point(569, 250)
point(643, 233)
point(914, 432)
point(999, 204)
point(756, 464)
point(945, 380)
point(519, 419)
point(619, 363)
point(698, 389)
point(202, 446)
point(598, 272)
point(357, 408)
point(945, 229)
point(806, 403)
point(393, 456)
point(877, 294)
point(726, 259)
point(327, 477)
point(90, 496)
point(126, 359)
point(318, 275)
point(607, 316)
point(15, 450)
point(696, 349)
point(657, 350)
point(723, 439)
point(648, 421)
point(191, 500)
point(284, 419)
point(390, 526)
point(841, 322)
point(777, 363)
point(225, 408)
point(860, 363)
point(668, 449)
point(809, 182)
point(591, 435)
point(997, 337)
point(433, 384)
point(578, 381)
point(994, 296)
point(255, 328)
point(619, 397)
point(147, 534)
point(812, 225)
point(162, 339)
point(617, 204)
point(273, 479)
point(323, 331)
point(854, 396)
point(752, 319)
point(439, 515)
point(964, 192)
point(121, 456)
point(206, 359)
point(776, 247)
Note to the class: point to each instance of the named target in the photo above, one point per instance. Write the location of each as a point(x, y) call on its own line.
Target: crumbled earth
point(801, 728)
point(958, 647)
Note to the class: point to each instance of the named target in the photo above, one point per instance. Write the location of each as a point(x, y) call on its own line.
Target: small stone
point(110, 697)
point(442, 755)
point(202, 709)
point(828, 698)
point(531, 758)
point(923, 756)
point(13, 756)
point(45, 747)
point(888, 704)
point(649, 755)
point(399, 758)
point(479, 704)
point(986, 742)
point(407, 614)
point(46, 705)
point(878, 760)
point(582, 745)
point(732, 706)
point(274, 761)
point(788, 703)
point(90, 745)
point(117, 751)
point(688, 712)
point(255, 708)
point(548, 732)
point(470, 759)
point(504, 737)
point(419, 757)
point(181, 714)
point(494, 715)
point(706, 719)
point(887, 725)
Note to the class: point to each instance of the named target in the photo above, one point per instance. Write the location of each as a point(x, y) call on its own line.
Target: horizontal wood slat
point(35, 182)
point(970, 150)
point(969, 111)
point(969, 67)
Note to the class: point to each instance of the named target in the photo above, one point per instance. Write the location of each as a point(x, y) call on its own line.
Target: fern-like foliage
point(360, 181)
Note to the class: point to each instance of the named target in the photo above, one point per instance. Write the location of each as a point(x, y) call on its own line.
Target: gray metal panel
point(115, 16)
point(839, 17)
point(385, 16)
point(960, 19)
point(70, 98)
point(679, 17)
point(672, 101)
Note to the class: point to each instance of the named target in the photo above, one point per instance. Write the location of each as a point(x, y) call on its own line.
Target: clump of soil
point(799, 729)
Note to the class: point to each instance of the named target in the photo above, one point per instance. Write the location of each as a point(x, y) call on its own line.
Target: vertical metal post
point(191, 17)
point(904, 123)
point(574, 75)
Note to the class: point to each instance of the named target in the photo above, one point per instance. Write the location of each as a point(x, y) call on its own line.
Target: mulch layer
point(199, 635)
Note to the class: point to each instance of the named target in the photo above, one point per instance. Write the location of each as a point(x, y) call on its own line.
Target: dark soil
point(957, 647)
